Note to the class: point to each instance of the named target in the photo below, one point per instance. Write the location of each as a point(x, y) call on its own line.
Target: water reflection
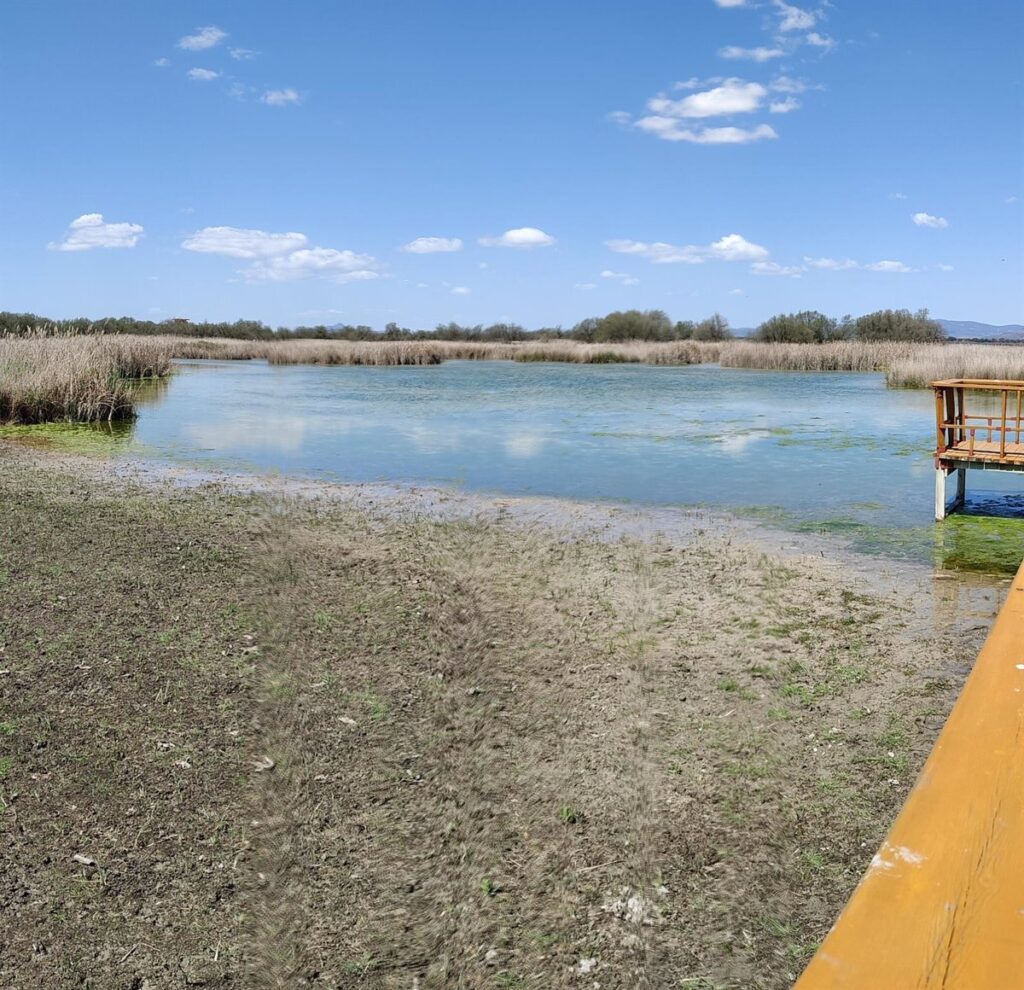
point(836, 454)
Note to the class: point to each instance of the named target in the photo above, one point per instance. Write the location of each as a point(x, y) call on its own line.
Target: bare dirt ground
point(254, 741)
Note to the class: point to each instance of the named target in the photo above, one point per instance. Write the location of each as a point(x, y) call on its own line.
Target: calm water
point(835, 452)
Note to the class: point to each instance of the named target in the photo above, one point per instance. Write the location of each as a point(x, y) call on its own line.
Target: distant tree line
point(812, 327)
point(808, 327)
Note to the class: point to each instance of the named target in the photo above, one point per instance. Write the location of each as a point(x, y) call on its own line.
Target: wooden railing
point(994, 434)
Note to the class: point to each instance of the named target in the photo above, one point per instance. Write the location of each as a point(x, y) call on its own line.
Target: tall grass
point(844, 355)
point(956, 361)
point(43, 379)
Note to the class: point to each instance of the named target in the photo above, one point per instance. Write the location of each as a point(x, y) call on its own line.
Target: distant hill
point(985, 331)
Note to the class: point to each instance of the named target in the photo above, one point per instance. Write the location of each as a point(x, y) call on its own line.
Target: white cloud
point(338, 266)
point(281, 97)
point(237, 242)
point(732, 96)
point(787, 105)
point(204, 37)
point(162, 63)
point(91, 231)
point(732, 247)
point(432, 245)
point(520, 237)
point(927, 220)
point(830, 264)
point(203, 75)
point(773, 268)
point(759, 54)
point(944, 268)
point(1012, 199)
point(731, 3)
point(622, 277)
point(283, 257)
point(620, 117)
point(736, 292)
point(897, 195)
point(794, 18)
point(888, 266)
point(786, 84)
point(669, 129)
point(461, 290)
point(242, 54)
point(584, 285)
point(820, 41)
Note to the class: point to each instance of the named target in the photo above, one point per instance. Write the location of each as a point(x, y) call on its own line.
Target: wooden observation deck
point(988, 436)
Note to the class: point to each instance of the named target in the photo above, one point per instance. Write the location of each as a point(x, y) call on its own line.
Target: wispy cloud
point(927, 220)
point(889, 266)
point(774, 268)
point(731, 3)
point(759, 54)
point(897, 195)
point(203, 38)
point(461, 290)
point(203, 75)
point(732, 247)
point(622, 277)
point(822, 41)
point(519, 237)
point(281, 97)
point(831, 264)
point(794, 18)
point(670, 129)
point(162, 63)
point(787, 105)
point(242, 54)
point(432, 245)
point(90, 231)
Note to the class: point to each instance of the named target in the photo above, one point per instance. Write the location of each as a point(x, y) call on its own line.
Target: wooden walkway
point(942, 905)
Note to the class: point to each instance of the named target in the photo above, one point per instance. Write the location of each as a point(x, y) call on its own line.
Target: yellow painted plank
point(942, 904)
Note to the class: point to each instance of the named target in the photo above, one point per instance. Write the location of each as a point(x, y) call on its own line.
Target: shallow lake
point(837, 453)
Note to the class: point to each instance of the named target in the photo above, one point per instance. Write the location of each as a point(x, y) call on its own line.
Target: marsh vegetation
point(90, 377)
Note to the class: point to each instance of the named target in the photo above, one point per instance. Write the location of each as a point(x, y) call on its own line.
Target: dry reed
point(930, 364)
point(43, 379)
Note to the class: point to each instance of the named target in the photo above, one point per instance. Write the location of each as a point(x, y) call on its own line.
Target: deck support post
point(961, 488)
point(940, 494)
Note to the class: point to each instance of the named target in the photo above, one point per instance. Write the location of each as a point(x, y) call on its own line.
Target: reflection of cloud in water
point(281, 433)
point(428, 440)
point(525, 445)
point(738, 442)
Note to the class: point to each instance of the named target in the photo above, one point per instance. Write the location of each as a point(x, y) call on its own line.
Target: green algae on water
point(87, 439)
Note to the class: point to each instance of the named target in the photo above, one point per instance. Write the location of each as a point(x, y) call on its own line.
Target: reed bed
point(431, 352)
point(844, 355)
point(85, 379)
point(930, 364)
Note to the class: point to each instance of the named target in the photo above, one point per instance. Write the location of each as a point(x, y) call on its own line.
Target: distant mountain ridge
point(967, 329)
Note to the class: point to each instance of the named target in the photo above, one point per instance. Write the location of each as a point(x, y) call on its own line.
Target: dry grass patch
point(86, 379)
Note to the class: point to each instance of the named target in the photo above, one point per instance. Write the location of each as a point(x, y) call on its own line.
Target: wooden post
point(940, 433)
point(961, 487)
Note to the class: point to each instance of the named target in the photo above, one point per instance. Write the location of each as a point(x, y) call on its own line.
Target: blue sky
point(530, 161)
